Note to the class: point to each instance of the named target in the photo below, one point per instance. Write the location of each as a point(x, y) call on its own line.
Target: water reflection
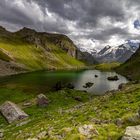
point(44, 80)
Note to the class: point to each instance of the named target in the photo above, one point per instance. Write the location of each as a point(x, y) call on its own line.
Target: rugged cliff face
point(44, 39)
point(85, 57)
point(31, 50)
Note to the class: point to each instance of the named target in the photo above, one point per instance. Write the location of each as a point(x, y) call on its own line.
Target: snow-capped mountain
point(90, 51)
point(118, 53)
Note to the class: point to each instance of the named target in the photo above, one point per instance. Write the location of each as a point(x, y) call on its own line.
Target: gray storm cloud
point(88, 20)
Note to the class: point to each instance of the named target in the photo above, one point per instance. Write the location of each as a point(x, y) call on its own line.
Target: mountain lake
point(44, 81)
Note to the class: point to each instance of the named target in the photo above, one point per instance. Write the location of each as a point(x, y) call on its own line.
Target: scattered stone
point(12, 112)
point(113, 78)
point(65, 131)
point(95, 108)
point(121, 86)
point(87, 130)
point(129, 77)
point(70, 86)
point(1, 134)
point(58, 86)
point(134, 118)
point(96, 76)
point(78, 98)
point(119, 122)
point(42, 135)
point(27, 104)
point(139, 112)
point(23, 123)
point(42, 100)
point(88, 85)
point(135, 82)
point(32, 139)
point(132, 133)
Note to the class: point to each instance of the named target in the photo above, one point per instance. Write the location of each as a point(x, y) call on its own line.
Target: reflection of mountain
point(101, 84)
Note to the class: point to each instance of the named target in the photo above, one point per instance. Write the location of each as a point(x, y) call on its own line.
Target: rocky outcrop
point(12, 112)
point(9, 68)
point(42, 100)
point(132, 133)
point(43, 39)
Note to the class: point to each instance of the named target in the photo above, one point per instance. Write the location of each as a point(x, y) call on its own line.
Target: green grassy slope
point(107, 66)
point(38, 51)
point(64, 115)
point(131, 68)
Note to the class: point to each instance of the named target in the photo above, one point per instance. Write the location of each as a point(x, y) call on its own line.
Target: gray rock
point(119, 122)
point(1, 134)
point(121, 86)
point(87, 130)
point(113, 78)
point(12, 112)
point(27, 104)
point(42, 135)
point(134, 118)
point(132, 133)
point(42, 100)
point(88, 85)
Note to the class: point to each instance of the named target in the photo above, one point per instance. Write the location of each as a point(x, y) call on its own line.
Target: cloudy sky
point(89, 23)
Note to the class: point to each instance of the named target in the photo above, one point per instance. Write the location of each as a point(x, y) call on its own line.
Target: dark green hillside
point(131, 68)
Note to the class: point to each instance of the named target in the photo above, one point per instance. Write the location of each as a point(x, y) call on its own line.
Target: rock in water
point(113, 78)
point(132, 133)
point(121, 86)
point(12, 112)
point(42, 100)
point(88, 85)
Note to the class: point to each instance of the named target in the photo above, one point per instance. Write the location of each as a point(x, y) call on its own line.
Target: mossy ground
point(64, 115)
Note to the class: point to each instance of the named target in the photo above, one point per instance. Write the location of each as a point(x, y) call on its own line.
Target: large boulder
point(42, 100)
point(12, 112)
point(132, 133)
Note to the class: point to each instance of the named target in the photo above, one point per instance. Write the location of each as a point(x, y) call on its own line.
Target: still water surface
point(44, 81)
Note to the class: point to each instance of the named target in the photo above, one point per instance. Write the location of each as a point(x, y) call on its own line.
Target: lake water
point(44, 81)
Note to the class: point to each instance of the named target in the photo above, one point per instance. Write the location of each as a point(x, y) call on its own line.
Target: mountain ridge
point(119, 53)
point(31, 50)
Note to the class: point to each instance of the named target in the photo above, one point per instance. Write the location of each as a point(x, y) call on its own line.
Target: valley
point(81, 102)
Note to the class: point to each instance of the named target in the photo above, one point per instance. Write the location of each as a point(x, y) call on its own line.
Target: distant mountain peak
point(119, 53)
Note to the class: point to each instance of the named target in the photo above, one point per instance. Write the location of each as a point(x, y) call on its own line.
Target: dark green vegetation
point(32, 50)
point(65, 114)
point(131, 68)
point(107, 66)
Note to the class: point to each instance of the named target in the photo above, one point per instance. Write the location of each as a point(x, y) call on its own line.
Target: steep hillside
point(86, 57)
point(131, 68)
point(36, 51)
